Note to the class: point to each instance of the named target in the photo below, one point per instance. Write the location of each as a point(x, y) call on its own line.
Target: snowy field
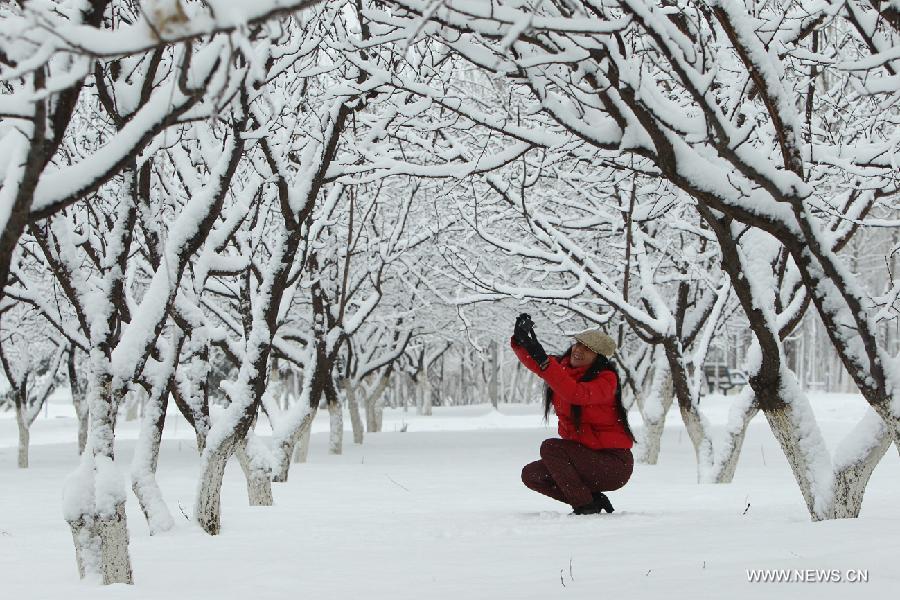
point(438, 512)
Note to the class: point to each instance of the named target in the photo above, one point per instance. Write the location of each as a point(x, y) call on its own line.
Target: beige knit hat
point(597, 341)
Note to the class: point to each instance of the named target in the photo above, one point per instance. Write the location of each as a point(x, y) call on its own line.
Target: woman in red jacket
point(594, 454)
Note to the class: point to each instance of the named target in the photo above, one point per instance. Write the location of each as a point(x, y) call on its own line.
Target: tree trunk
point(495, 371)
point(654, 407)
point(24, 437)
point(376, 401)
point(219, 448)
point(101, 547)
point(778, 393)
point(648, 452)
point(463, 381)
point(224, 436)
point(512, 391)
point(417, 394)
point(208, 509)
point(302, 453)
point(853, 469)
point(83, 420)
point(79, 401)
point(298, 424)
point(256, 471)
point(94, 496)
point(335, 417)
point(425, 393)
point(890, 419)
point(353, 406)
point(114, 557)
point(369, 403)
point(694, 422)
point(86, 547)
point(742, 412)
point(132, 403)
point(379, 400)
point(145, 461)
point(790, 417)
point(400, 392)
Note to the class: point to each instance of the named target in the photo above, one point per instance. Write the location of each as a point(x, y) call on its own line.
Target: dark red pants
point(571, 472)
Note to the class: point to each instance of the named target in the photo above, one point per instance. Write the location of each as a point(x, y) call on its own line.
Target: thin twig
point(395, 483)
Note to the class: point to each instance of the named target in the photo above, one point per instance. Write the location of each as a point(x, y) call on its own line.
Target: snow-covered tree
point(31, 364)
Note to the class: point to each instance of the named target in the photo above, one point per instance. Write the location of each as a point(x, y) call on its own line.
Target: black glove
point(521, 329)
point(534, 349)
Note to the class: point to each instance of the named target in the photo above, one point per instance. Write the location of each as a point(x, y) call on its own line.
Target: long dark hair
point(600, 364)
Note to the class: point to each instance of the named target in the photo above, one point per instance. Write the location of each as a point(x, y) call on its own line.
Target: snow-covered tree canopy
point(256, 207)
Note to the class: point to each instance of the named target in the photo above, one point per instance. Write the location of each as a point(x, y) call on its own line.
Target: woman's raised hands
point(524, 335)
point(524, 326)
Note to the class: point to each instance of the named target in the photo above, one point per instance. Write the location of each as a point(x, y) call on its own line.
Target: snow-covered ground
point(438, 512)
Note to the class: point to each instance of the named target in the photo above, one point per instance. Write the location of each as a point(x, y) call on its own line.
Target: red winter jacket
point(600, 425)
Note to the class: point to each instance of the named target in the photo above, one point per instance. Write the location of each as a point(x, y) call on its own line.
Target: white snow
point(439, 512)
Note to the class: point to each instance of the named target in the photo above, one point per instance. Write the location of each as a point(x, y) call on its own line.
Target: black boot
point(596, 506)
point(603, 502)
point(590, 508)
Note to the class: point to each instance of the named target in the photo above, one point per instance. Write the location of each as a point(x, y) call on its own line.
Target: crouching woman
point(593, 455)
